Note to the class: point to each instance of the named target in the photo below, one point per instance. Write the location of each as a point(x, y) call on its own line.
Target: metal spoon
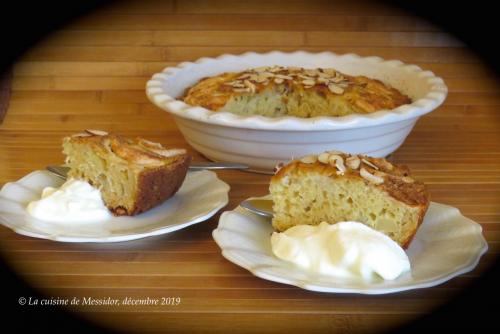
point(62, 171)
point(261, 207)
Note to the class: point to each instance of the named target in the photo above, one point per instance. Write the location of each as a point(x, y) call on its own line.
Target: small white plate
point(201, 195)
point(446, 245)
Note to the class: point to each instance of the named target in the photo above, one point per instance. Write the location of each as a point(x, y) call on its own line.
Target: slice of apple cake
point(335, 187)
point(133, 175)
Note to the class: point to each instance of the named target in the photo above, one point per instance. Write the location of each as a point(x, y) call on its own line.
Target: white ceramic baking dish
point(262, 142)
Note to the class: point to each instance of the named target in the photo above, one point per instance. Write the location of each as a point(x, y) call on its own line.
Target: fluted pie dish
point(261, 139)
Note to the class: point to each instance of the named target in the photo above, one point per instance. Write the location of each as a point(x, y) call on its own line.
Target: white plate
point(201, 195)
point(446, 245)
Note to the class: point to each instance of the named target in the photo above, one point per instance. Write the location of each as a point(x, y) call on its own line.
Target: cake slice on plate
point(134, 175)
point(335, 186)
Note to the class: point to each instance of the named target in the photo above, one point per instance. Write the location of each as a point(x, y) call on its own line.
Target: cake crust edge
point(156, 185)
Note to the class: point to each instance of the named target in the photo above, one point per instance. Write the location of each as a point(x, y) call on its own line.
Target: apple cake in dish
point(293, 91)
point(335, 186)
point(134, 175)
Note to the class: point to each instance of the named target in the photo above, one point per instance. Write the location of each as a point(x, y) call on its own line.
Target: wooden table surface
point(91, 74)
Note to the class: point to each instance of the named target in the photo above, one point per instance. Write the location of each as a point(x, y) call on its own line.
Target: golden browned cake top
point(364, 95)
point(396, 180)
point(136, 152)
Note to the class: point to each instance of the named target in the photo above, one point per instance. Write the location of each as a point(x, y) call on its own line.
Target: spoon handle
point(62, 171)
point(217, 165)
point(261, 207)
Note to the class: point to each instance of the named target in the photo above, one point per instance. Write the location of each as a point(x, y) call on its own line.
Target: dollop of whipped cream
point(345, 250)
point(76, 201)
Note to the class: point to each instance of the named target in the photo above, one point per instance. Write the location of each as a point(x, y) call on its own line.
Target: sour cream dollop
point(345, 250)
point(75, 201)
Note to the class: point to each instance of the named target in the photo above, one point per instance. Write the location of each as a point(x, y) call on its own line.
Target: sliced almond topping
point(369, 163)
point(266, 74)
point(353, 162)
point(340, 166)
point(237, 84)
point(146, 160)
point(250, 86)
point(169, 153)
point(335, 152)
point(305, 77)
point(337, 79)
point(81, 134)
point(329, 71)
point(309, 159)
point(335, 89)
point(150, 144)
point(275, 69)
point(282, 76)
point(134, 154)
point(324, 157)
point(96, 132)
point(370, 177)
point(262, 77)
point(245, 76)
point(337, 161)
point(338, 76)
point(261, 69)
point(245, 82)
point(311, 72)
point(333, 158)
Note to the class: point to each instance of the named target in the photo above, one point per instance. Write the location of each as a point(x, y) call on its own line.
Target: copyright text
point(99, 301)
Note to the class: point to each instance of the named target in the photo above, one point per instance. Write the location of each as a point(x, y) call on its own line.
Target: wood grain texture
point(92, 73)
point(5, 92)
